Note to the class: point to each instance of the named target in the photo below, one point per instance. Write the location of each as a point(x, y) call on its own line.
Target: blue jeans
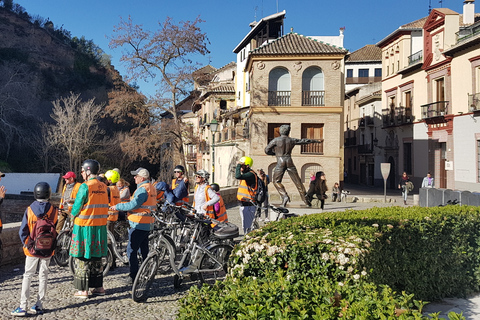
point(137, 239)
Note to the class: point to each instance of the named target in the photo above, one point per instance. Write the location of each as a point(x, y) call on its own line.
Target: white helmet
point(202, 173)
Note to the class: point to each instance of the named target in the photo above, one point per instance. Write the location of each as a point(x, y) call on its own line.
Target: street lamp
point(213, 129)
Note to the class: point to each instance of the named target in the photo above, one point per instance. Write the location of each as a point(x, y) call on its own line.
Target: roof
point(258, 26)
point(294, 43)
point(370, 52)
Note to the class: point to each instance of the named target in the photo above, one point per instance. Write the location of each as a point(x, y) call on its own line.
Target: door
point(443, 173)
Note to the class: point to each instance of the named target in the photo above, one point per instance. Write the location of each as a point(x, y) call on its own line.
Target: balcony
point(365, 148)
point(365, 121)
point(362, 80)
point(435, 109)
point(416, 57)
point(349, 142)
point(313, 98)
point(191, 157)
point(279, 98)
point(474, 102)
point(312, 148)
point(467, 33)
point(397, 117)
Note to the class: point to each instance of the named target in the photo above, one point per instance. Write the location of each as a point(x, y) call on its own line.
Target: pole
point(213, 157)
point(385, 190)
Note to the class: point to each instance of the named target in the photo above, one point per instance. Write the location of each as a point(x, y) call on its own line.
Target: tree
point(165, 53)
point(75, 131)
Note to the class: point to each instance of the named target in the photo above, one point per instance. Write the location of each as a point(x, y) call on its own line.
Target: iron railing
point(434, 109)
point(416, 57)
point(279, 98)
point(312, 148)
point(474, 102)
point(313, 98)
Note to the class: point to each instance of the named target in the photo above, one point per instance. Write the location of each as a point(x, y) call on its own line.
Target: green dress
point(87, 241)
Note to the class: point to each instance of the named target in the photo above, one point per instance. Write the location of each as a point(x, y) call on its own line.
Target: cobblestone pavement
point(117, 303)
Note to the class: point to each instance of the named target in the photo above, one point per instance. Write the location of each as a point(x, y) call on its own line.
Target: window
point(408, 104)
point(223, 104)
point(407, 157)
point(349, 73)
point(312, 131)
point(440, 89)
point(313, 93)
point(274, 130)
point(279, 87)
point(363, 73)
point(378, 72)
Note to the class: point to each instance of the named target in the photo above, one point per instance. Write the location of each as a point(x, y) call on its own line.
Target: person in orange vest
point(2, 196)
point(219, 207)
point(41, 208)
point(179, 177)
point(204, 198)
point(89, 235)
point(111, 178)
point(69, 193)
point(246, 191)
point(143, 202)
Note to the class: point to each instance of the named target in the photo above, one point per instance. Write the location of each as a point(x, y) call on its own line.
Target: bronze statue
point(282, 147)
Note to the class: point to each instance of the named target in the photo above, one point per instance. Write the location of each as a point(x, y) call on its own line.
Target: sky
point(227, 22)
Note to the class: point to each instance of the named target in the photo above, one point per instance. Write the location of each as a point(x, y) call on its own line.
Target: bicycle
point(450, 203)
point(64, 238)
point(282, 213)
point(204, 257)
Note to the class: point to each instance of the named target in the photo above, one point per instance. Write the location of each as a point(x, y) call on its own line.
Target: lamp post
point(213, 129)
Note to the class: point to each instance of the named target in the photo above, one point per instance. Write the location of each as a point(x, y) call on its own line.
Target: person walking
point(428, 181)
point(219, 207)
point(143, 202)
point(89, 235)
point(178, 180)
point(204, 197)
point(41, 208)
point(403, 185)
point(246, 191)
point(266, 180)
point(318, 187)
point(69, 193)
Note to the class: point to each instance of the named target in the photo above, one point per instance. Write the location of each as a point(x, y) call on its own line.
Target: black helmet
point(91, 166)
point(215, 187)
point(42, 191)
point(179, 167)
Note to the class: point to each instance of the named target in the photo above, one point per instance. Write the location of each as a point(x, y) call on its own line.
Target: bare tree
point(76, 129)
point(166, 54)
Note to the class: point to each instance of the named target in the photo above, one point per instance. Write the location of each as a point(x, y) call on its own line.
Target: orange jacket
point(95, 211)
point(52, 214)
point(72, 195)
point(142, 215)
point(114, 199)
point(244, 191)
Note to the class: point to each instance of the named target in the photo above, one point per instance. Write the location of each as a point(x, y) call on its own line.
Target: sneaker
point(98, 292)
point(36, 310)
point(19, 312)
point(81, 294)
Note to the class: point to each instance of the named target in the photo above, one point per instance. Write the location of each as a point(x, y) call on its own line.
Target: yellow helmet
point(247, 160)
point(113, 176)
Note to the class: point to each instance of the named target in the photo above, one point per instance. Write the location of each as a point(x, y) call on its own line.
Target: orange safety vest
point(95, 211)
point(184, 200)
point(210, 212)
point(143, 213)
point(114, 199)
point(244, 191)
point(72, 195)
point(52, 214)
point(159, 194)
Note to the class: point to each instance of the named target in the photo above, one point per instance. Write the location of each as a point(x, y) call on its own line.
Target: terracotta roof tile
point(370, 52)
point(293, 43)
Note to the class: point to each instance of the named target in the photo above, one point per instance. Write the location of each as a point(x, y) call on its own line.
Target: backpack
point(43, 238)
point(259, 195)
point(410, 186)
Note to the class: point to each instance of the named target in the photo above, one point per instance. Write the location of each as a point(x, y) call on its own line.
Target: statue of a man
point(282, 147)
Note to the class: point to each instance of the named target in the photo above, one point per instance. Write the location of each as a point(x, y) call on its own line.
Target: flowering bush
point(347, 265)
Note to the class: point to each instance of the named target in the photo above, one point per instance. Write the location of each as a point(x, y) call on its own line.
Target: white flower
point(325, 256)
point(356, 276)
point(340, 284)
point(364, 273)
point(375, 225)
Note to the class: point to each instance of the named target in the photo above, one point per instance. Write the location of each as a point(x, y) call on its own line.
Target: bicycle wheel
point(106, 263)
point(166, 255)
point(120, 233)
point(213, 265)
point(145, 277)
point(61, 254)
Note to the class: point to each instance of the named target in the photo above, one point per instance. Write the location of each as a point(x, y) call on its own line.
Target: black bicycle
point(281, 213)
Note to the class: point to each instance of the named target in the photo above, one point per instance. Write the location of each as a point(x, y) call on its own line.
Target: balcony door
point(279, 87)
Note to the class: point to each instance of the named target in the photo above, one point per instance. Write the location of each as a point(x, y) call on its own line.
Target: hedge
point(367, 264)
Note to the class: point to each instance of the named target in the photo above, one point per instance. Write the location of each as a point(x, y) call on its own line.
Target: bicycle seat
point(279, 209)
point(225, 230)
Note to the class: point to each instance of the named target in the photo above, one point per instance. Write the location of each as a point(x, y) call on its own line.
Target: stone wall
point(433, 197)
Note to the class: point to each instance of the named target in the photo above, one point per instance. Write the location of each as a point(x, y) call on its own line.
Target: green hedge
point(347, 265)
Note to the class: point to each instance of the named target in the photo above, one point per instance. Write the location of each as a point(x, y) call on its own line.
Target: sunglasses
point(177, 171)
point(197, 176)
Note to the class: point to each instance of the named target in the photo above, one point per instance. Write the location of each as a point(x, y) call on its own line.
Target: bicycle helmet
point(180, 168)
point(215, 187)
point(91, 166)
point(42, 191)
point(113, 176)
point(202, 173)
point(247, 160)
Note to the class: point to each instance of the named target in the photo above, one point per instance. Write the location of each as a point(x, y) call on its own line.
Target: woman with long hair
point(319, 188)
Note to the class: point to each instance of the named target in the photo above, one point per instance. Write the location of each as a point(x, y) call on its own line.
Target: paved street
point(162, 302)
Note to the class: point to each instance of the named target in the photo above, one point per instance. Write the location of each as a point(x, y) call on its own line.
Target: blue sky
point(227, 21)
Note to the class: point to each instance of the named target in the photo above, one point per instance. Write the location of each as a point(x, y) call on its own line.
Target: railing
point(399, 116)
point(416, 57)
point(365, 148)
point(352, 141)
point(312, 148)
point(474, 102)
point(467, 33)
point(362, 80)
point(435, 109)
point(361, 123)
point(365, 121)
point(279, 98)
point(313, 98)
point(192, 156)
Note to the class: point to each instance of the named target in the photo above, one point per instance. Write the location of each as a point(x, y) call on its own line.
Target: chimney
point(468, 11)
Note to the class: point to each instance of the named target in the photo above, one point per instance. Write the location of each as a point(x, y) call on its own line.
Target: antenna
point(441, 3)
point(255, 16)
point(429, 6)
point(277, 6)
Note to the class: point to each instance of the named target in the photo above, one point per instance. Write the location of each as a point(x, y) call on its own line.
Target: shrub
point(347, 264)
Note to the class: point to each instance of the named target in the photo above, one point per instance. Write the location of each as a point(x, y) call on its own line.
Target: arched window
point(313, 92)
point(279, 87)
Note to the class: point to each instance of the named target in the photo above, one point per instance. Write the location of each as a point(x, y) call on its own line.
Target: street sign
point(385, 168)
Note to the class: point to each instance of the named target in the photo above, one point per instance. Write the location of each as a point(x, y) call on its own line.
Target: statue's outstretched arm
point(269, 149)
point(307, 141)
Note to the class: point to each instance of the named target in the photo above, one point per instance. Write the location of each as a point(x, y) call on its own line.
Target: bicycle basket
point(225, 230)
